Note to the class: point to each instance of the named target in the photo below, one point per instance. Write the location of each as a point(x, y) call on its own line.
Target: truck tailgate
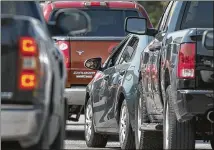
point(204, 65)
point(83, 48)
point(9, 58)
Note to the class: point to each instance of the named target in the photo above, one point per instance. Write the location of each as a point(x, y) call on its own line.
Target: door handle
point(106, 77)
point(122, 72)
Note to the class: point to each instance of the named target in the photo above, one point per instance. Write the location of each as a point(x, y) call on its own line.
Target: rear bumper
point(190, 103)
point(75, 95)
point(20, 123)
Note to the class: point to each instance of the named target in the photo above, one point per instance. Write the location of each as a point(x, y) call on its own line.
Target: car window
point(198, 14)
point(26, 8)
point(104, 22)
point(129, 51)
point(163, 20)
point(172, 9)
point(111, 61)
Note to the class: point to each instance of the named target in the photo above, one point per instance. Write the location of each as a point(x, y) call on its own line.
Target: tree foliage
point(154, 9)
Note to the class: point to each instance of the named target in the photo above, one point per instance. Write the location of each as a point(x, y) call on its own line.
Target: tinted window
point(129, 51)
point(164, 17)
point(26, 8)
point(198, 14)
point(105, 22)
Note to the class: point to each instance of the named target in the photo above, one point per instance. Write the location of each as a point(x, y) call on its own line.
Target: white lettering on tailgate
point(83, 72)
point(84, 76)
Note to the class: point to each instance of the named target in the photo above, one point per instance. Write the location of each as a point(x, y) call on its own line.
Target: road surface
point(75, 138)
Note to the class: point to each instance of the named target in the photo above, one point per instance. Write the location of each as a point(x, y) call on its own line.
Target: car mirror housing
point(207, 40)
point(80, 21)
point(93, 63)
point(136, 25)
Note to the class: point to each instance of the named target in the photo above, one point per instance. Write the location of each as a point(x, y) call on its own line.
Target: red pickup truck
point(107, 30)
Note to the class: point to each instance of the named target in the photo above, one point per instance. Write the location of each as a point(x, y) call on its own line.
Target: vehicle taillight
point(28, 46)
point(186, 61)
point(28, 64)
point(64, 47)
point(95, 3)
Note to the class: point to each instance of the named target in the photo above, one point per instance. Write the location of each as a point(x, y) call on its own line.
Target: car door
point(101, 95)
point(118, 76)
point(146, 78)
point(155, 57)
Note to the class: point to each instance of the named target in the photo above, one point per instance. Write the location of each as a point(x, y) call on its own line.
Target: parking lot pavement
point(75, 138)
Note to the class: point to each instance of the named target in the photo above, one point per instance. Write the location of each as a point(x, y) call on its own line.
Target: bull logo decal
point(80, 52)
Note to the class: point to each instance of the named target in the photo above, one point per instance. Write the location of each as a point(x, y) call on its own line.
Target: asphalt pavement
point(75, 138)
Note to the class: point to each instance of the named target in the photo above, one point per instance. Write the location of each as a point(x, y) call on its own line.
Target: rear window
point(104, 22)
point(198, 14)
point(26, 8)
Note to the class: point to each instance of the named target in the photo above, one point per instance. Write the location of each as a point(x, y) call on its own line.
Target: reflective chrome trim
point(94, 38)
point(196, 91)
point(17, 122)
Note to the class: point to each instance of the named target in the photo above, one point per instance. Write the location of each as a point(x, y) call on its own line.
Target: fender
point(120, 92)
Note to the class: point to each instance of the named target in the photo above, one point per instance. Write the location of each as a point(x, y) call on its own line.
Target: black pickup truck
point(177, 77)
point(33, 77)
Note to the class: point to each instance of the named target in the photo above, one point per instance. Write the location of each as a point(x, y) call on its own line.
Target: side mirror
point(71, 21)
point(93, 63)
point(136, 25)
point(207, 40)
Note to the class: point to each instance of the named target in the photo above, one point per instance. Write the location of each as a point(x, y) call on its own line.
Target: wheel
point(145, 139)
point(92, 138)
point(126, 134)
point(177, 135)
point(212, 144)
point(59, 140)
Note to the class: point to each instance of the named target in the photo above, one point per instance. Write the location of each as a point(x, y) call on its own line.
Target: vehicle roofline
point(132, 4)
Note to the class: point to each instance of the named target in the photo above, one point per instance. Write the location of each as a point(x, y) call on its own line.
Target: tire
point(43, 141)
point(145, 139)
point(212, 144)
point(59, 140)
point(126, 134)
point(92, 138)
point(180, 135)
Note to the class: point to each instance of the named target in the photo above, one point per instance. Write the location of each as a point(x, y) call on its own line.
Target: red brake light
point(28, 63)
point(186, 61)
point(28, 46)
point(94, 3)
point(27, 80)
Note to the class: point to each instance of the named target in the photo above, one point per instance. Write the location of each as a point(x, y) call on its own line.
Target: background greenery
point(154, 9)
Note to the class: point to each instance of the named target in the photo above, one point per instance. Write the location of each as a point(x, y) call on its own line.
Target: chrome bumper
point(75, 95)
point(17, 122)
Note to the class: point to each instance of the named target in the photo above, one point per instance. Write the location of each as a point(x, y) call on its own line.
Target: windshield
point(198, 14)
point(104, 22)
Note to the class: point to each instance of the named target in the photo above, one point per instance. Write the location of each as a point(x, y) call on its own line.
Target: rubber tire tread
point(181, 134)
point(59, 140)
point(212, 143)
point(149, 139)
point(129, 142)
point(97, 140)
